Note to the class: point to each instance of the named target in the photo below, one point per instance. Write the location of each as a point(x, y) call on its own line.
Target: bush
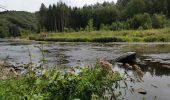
point(90, 26)
point(118, 26)
point(150, 39)
point(141, 20)
point(158, 21)
point(104, 27)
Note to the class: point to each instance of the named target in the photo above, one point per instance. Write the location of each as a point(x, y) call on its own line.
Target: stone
point(141, 91)
point(129, 57)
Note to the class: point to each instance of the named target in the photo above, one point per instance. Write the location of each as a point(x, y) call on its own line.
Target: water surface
point(84, 54)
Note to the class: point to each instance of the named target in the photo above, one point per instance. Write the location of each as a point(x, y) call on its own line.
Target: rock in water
point(141, 91)
point(129, 57)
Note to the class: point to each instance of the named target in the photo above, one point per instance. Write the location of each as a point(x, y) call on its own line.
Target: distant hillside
point(13, 23)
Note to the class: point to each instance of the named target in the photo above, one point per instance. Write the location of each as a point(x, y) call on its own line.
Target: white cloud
point(33, 5)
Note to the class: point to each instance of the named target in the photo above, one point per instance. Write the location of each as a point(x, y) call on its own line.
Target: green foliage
point(104, 27)
point(134, 7)
point(14, 30)
point(168, 7)
point(119, 26)
point(58, 85)
point(13, 22)
point(105, 16)
point(89, 26)
point(124, 15)
point(141, 20)
point(158, 21)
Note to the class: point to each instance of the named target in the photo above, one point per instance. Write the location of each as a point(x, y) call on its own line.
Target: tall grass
point(152, 35)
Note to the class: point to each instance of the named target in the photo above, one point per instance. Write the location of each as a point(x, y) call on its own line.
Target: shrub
point(104, 27)
point(118, 26)
point(158, 21)
point(141, 20)
point(58, 85)
point(150, 39)
point(90, 26)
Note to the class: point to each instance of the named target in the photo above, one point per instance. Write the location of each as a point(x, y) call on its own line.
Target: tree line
point(125, 14)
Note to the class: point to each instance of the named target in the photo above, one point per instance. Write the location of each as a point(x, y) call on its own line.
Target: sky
point(34, 5)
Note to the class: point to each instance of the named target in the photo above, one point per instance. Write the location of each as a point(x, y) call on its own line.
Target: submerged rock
point(154, 86)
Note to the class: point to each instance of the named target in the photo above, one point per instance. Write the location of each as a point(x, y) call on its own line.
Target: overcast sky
point(33, 5)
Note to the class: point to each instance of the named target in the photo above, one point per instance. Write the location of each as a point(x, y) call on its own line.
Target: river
point(156, 73)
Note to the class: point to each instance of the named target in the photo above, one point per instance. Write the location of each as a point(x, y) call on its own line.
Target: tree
point(134, 7)
point(89, 26)
point(42, 16)
point(59, 17)
point(168, 7)
point(122, 3)
point(14, 31)
point(141, 20)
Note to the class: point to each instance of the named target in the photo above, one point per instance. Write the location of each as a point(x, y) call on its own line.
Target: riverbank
point(152, 35)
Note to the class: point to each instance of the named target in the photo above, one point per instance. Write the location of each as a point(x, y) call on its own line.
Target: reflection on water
point(156, 69)
point(80, 54)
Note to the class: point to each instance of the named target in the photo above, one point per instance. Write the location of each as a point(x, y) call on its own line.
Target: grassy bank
point(152, 35)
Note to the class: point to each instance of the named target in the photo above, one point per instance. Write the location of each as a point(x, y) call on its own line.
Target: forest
point(14, 23)
point(109, 16)
point(123, 15)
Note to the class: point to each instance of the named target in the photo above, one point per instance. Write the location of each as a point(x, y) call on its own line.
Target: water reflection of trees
point(156, 69)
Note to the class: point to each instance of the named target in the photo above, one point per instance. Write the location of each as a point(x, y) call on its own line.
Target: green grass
point(152, 35)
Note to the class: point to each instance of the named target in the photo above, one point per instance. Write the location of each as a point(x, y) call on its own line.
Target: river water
point(156, 73)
